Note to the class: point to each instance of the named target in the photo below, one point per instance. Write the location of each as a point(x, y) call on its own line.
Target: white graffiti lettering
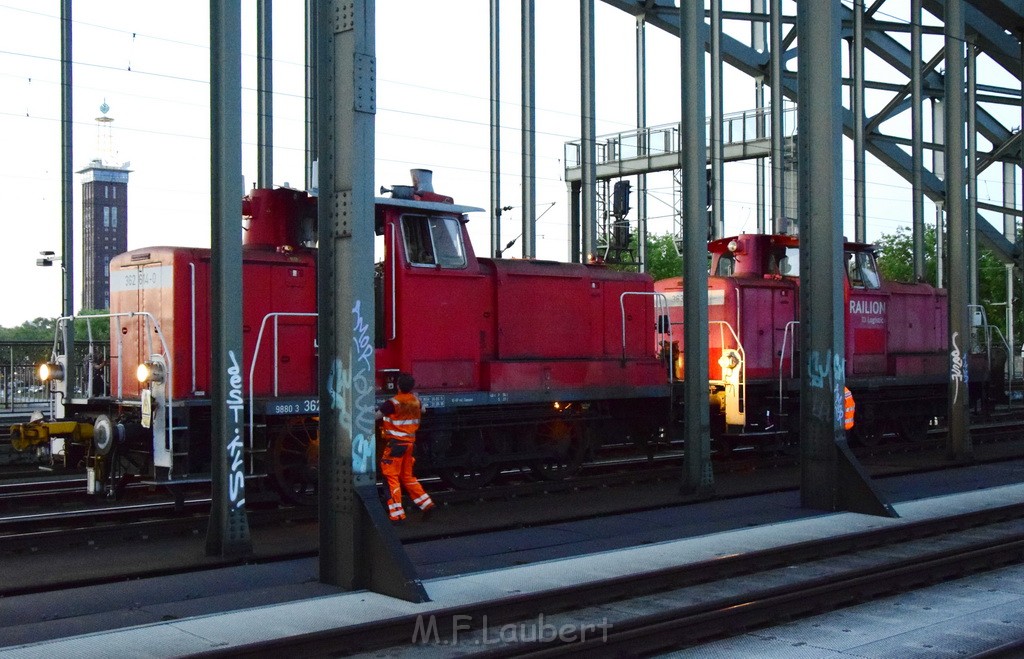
point(235, 448)
point(363, 447)
point(958, 370)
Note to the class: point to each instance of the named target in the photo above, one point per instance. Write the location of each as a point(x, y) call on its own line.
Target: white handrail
point(660, 309)
point(252, 370)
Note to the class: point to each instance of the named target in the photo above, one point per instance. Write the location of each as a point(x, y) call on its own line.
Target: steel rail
point(716, 617)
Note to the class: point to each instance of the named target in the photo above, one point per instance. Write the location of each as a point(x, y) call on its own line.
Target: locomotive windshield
point(433, 241)
point(860, 267)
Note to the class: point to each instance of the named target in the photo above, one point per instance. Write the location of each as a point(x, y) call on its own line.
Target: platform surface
point(266, 602)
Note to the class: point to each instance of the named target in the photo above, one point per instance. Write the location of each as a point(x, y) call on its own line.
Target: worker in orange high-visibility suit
point(849, 407)
point(400, 419)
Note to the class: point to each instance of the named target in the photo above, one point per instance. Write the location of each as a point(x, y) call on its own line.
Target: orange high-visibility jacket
point(849, 407)
point(404, 421)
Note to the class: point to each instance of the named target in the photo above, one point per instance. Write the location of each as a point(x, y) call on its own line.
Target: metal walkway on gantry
point(995, 27)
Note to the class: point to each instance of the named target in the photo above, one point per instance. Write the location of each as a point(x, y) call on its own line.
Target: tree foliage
point(42, 329)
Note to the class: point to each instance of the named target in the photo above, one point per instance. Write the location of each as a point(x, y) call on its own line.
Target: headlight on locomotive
point(149, 372)
point(51, 371)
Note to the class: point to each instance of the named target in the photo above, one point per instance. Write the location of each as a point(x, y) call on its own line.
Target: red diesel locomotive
point(521, 363)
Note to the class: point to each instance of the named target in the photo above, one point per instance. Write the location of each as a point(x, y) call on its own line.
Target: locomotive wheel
point(868, 433)
point(473, 467)
point(294, 455)
point(562, 441)
point(468, 477)
point(914, 428)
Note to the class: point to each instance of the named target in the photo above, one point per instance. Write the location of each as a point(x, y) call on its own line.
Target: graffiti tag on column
point(831, 370)
point(818, 369)
point(236, 407)
point(363, 446)
point(958, 370)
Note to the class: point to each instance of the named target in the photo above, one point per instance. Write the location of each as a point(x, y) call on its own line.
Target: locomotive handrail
point(660, 309)
point(394, 298)
point(782, 356)
point(252, 370)
point(168, 367)
point(743, 358)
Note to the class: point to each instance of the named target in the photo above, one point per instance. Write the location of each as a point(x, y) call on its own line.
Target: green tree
point(42, 329)
point(663, 261)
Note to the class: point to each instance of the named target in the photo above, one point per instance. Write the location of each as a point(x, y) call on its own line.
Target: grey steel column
point(959, 439)
point(758, 40)
point(717, 169)
point(312, 139)
point(1010, 232)
point(228, 531)
point(588, 128)
point(1009, 200)
point(698, 477)
point(575, 189)
point(265, 93)
point(495, 128)
point(529, 127)
point(939, 169)
point(778, 158)
point(972, 171)
point(67, 250)
point(358, 547)
point(857, 101)
point(831, 479)
point(643, 138)
point(917, 149)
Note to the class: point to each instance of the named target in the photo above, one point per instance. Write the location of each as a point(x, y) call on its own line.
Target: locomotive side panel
point(276, 284)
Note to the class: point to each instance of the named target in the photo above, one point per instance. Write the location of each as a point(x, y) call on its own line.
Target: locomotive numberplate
point(293, 406)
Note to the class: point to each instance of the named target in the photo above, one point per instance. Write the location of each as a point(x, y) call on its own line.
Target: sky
point(149, 62)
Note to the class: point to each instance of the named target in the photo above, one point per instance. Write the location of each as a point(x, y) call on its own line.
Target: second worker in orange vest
point(400, 420)
point(849, 408)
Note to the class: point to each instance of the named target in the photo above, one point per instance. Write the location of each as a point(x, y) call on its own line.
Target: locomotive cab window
point(433, 241)
point(862, 271)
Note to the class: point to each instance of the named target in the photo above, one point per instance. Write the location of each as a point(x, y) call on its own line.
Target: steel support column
point(698, 477)
point(575, 240)
point(67, 195)
point(857, 102)
point(1010, 200)
point(830, 477)
point(972, 171)
point(717, 168)
point(939, 169)
point(228, 531)
point(588, 128)
point(358, 547)
point(495, 59)
point(642, 145)
point(759, 41)
point(529, 127)
point(917, 135)
point(959, 438)
point(778, 157)
point(312, 138)
point(265, 93)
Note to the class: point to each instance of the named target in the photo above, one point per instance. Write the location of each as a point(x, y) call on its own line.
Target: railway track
point(675, 608)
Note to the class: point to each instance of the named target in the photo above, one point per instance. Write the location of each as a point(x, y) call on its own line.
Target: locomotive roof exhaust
point(422, 180)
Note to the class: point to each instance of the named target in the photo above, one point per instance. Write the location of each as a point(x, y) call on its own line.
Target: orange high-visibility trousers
point(396, 466)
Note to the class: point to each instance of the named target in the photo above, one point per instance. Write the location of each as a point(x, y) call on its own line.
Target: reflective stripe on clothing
point(849, 408)
point(404, 421)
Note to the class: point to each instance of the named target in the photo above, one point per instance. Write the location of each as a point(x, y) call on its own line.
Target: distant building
point(104, 217)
